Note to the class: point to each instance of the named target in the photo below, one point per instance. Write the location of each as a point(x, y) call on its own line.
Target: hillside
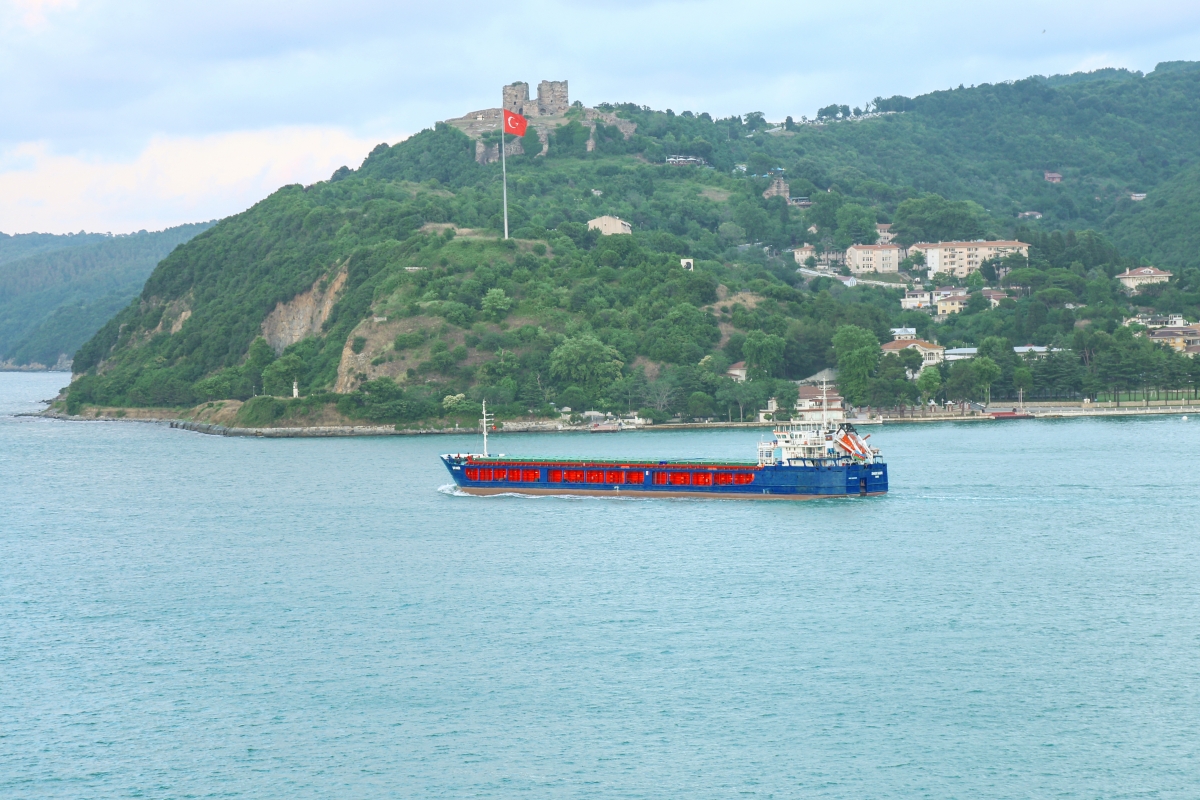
point(387, 293)
point(57, 291)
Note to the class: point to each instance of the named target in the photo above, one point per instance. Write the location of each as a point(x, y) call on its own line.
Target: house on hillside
point(960, 353)
point(1134, 279)
point(953, 304)
point(914, 300)
point(931, 354)
point(737, 371)
point(947, 291)
point(803, 253)
point(1178, 339)
point(1052, 177)
point(610, 226)
point(815, 401)
point(884, 229)
point(994, 296)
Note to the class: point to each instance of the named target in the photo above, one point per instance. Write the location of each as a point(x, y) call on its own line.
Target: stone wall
point(486, 154)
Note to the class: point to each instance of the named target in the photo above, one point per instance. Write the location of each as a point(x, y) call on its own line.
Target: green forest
point(436, 313)
point(56, 291)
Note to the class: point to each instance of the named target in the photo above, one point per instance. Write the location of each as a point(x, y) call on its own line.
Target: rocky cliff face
point(303, 315)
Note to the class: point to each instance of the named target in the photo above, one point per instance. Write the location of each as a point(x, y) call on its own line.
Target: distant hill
point(56, 291)
point(387, 292)
point(27, 244)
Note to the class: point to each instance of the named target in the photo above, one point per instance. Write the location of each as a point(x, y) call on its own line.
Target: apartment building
point(962, 258)
point(874, 258)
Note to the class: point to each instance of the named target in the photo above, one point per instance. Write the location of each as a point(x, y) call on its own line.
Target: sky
point(123, 115)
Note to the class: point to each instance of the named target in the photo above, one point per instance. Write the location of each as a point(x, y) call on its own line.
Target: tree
point(786, 395)
point(962, 384)
point(496, 304)
point(857, 352)
point(586, 361)
point(763, 353)
point(855, 225)
point(278, 376)
point(933, 218)
point(928, 384)
point(258, 358)
point(699, 405)
point(912, 359)
point(986, 373)
point(1023, 380)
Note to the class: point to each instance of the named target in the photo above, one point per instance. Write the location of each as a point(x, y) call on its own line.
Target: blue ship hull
point(730, 480)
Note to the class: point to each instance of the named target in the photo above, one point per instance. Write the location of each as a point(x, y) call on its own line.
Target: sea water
point(185, 615)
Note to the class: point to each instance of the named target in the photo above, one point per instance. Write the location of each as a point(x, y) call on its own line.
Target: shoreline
point(338, 431)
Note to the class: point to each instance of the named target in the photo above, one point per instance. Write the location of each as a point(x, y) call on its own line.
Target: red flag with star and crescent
point(514, 124)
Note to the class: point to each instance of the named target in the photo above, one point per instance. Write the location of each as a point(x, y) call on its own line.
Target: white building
point(903, 334)
point(914, 300)
point(931, 354)
point(610, 226)
point(1134, 279)
point(884, 229)
point(962, 258)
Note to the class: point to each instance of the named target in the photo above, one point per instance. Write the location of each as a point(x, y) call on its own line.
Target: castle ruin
point(552, 99)
point(545, 114)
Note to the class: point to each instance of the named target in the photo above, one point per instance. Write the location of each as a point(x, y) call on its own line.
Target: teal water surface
point(196, 616)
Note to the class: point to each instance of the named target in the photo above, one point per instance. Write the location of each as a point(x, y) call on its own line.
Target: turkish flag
point(514, 123)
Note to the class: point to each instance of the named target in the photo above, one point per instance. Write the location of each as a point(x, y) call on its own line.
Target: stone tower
point(516, 98)
point(552, 98)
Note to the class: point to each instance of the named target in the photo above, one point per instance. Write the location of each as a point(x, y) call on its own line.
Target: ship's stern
point(874, 478)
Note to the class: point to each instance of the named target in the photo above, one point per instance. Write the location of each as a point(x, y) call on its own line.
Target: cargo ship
point(806, 460)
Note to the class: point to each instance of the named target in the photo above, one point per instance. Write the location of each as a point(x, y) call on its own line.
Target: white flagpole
point(504, 172)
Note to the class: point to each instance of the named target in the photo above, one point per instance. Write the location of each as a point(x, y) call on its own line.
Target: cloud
point(171, 181)
point(93, 81)
point(33, 12)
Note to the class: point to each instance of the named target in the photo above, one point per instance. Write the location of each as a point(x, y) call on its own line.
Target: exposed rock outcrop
point(303, 315)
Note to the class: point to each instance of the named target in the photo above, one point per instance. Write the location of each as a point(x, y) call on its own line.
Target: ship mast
point(824, 402)
point(487, 420)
